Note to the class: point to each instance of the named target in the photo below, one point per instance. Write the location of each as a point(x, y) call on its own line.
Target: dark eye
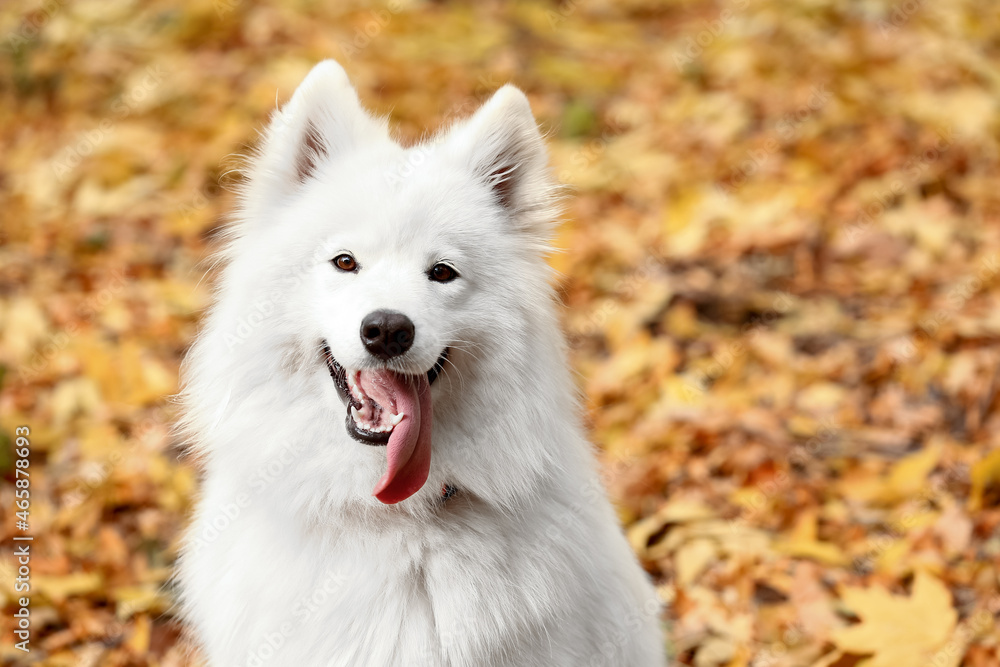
point(442, 273)
point(345, 262)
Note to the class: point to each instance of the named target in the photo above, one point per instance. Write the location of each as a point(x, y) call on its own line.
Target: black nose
point(386, 333)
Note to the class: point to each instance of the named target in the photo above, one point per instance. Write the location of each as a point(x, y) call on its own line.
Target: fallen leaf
point(58, 588)
point(898, 630)
point(802, 543)
point(910, 475)
point(985, 473)
point(693, 558)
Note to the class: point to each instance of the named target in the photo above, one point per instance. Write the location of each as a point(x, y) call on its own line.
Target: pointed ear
point(502, 146)
point(323, 121)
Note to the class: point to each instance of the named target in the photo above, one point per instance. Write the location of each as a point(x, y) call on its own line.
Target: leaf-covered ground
point(780, 265)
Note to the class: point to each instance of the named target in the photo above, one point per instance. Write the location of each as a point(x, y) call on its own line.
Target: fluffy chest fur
point(461, 586)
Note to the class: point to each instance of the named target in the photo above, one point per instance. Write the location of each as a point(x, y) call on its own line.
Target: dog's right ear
point(323, 121)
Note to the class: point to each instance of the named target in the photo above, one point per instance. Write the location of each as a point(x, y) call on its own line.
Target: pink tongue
point(408, 451)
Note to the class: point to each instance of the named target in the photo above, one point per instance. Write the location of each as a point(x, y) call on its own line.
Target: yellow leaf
point(138, 641)
point(898, 630)
point(24, 325)
point(821, 397)
point(58, 588)
point(135, 599)
point(74, 397)
point(802, 543)
point(824, 552)
point(715, 651)
point(984, 473)
point(692, 559)
point(680, 510)
point(684, 510)
point(805, 527)
point(909, 476)
point(892, 560)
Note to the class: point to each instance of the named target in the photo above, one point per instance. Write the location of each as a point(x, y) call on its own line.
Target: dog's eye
point(442, 273)
point(345, 262)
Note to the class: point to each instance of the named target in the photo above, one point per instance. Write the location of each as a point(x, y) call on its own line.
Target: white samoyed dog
point(395, 471)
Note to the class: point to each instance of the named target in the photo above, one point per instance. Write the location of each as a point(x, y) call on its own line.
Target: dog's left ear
point(501, 145)
point(323, 121)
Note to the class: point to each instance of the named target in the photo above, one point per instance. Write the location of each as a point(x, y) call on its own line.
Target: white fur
point(290, 560)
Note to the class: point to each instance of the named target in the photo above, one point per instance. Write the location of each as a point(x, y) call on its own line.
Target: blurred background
point(779, 265)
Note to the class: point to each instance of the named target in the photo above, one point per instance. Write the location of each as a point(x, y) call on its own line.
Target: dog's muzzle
point(339, 375)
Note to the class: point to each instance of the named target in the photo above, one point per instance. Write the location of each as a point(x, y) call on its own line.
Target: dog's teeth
point(355, 414)
point(395, 419)
point(356, 384)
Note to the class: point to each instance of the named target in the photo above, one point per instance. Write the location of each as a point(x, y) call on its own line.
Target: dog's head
point(390, 269)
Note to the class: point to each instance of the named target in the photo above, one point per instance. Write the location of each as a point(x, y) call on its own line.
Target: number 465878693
point(21, 473)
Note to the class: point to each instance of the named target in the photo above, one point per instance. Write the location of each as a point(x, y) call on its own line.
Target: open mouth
point(368, 420)
point(391, 409)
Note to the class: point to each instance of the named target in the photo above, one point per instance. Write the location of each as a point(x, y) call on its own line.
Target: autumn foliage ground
point(780, 265)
